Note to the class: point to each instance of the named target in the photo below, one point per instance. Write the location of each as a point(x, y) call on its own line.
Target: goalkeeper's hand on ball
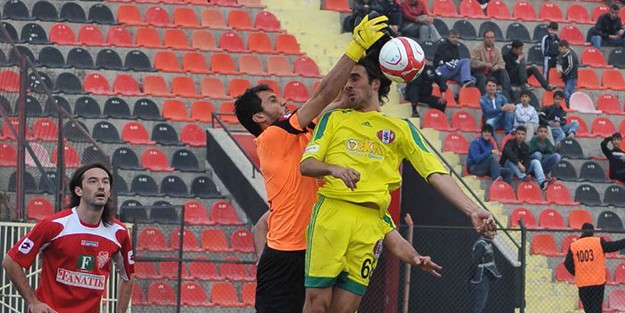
point(370, 30)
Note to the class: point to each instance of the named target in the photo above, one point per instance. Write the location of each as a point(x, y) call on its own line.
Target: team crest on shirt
point(386, 136)
point(103, 258)
point(377, 249)
point(26, 246)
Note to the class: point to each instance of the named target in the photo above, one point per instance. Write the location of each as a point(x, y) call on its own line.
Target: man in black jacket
point(549, 48)
point(448, 63)
point(483, 271)
point(516, 156)
point(616, 156)
point(519, 72)
point(609, 30)
point(567, 65)
point(420, 91)
point(555, 116)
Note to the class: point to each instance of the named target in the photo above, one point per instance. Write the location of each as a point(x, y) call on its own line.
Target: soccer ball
point(402, 59)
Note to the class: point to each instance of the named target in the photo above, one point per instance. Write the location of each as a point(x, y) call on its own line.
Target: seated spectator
point(519, 72)
point(483, 4)
point(448, 63)
point(486, 60)
point(516, 157)
point(483, 158)
point(420, 91)
point(497, 111)
point(567, 65)
point(391, 9)
point(417, 21)
point(543, 150)
point(616, 156)
point(608, 30)
point(549, 48)
point(525, 115)
point(555, 117)
point(360, 8)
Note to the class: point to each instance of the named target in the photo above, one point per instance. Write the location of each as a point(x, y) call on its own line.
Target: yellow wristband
point(354, 51)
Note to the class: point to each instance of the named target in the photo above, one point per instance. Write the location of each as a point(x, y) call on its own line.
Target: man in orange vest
point(586, 260)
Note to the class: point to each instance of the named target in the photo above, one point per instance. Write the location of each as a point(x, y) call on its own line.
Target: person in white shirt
point(525, 114)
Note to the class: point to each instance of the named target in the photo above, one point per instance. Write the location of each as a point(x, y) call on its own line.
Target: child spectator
point(525, 114)
point(543, 150)
point(555, 116)
point(567, 65)
point(549, 48)
point(483, 157)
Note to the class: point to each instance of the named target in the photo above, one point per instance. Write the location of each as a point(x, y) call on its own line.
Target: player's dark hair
point(488, 31)
point(248, 104)
point(553, 25)
point(617, 135)
point(526, 93)
point(516, 44)
point(491, 79)
point(372, 67)
point(563, 43)
point(543, 126)
point(558, 93)
point(76, 181)
point(615, 7)
point(487, 128)
point(453, 32)
point(521, 128)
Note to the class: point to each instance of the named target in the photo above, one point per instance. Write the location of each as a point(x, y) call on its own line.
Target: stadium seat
point(43, 11)
point(71, 157)
point(213, 87)
point(175, 110)
point(223, 63)
point(306, 67)
point(135, 133)
point(201, 111)
point(184, 86)
point(176, 39)
point(524, 214)
point(234, 270)
point(155, 86)
point(250, 64)
point(593, 172)
point(119, 36)
point(167, 61)
point(174, 186)
point(240, 20)
point(593, 57)
point(51, 57)
point(203, 40)
point(545, 244)
point(619, 273)
point(502, 192)
point(621, 128)
point(563, 275)
point(146, 109)
point(106, 132)
point(492, 26)
point(185, 18)
point(616, 300)
point(148, 37)
point(598, 11)
point(193, 294)
point(555, 78)
point(279, 65)
point(33, 107)
point(41, 154)
point(615, 196)
point(582, 131)
point(464, 121)
point(163, 212)
point(137, 61)
point(16, 10)
point(31, 33)
point(12, 32)
point(602, 127)
point(126, 85)
point(196, 214)
point(444, 8)
point(296, 91)
point(565, 171)
point(465, 29)
point(138, 298)
point(550, 12)
point(567, 240)
point(30, 186)
point(10, 81)
point(79, 58)
point(160, 293)
point(530, 193)
point(609, 103)
point(471, 9)
point(97, 84)
point(550, 219)
point(204, 270)
point(39, 208)
point(145, 270)
point(242, 240)
point(62, 34)
point(613, 79)
point(45, 129)
point(436, 119)
point(90, 35)
point(524, 11)
point(121, 187)
point(570, 148)
point(126, 158)
point(248, 293)
point(617, 58)
point(469, 97)
point(184, 160)
point(155, 160)
point(194, 62)
point(76, 131)
point(109, 59)
point(588, 195)
point(204, 187)
point(213, 19)
point(337, 5)
point(224, 294)
point(456, 143)
point(152, 239)
point(73, 12)
point(519, 32)
point(193, 135)
point(573, 35)
point(223, 213)
point(577, 13)
point(231, 42)
point(189, 241)
point(157, 16)
point(144, 185)
point(498, 10)
point(259, 42)
point(237, 87)
point(214, 240)
point(101, 14)
point(266, 21)
point(169, 270)
point(588, 80)
point(8, 155)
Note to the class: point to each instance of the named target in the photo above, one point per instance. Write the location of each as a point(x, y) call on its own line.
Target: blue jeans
point(479, 295)
point(535, 168)
point(491, 167)
point(559, 133)
point(569, 89)
point(597, 42)
point(548, 161)
point(460, 74)
point(504, 121)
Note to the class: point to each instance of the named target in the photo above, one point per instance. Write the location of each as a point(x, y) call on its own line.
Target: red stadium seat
point(296, 91)
point(524, 11)
point(231, 42)
point(272, 84)
point(136, 134)
point(91, 35)
point(153, 159)
point(184, 86)
point(226, 111)
point(145, 270)
point(148, 37)
point(551, 12)
point(242, 240)
point(234, 270)
point(445, 8)
point(279, 65)
point(240, 20)
point(196, 214)
point(248, 293)
point(619, 273)
point(577, 13)
point(157, 16)
point(152, 239)
point(161, 293)
point(603, 127)
point(97, 84)
point(176, 39)
point(337, 5)
point(204, 270)
point(621, 129)
point(194, 62)
point(545, 244)
point(613, 79)
point(306, 67)
point(192, 294)
point(578, 217)
point(226, 3)
point(530, 193)
point(170, 269)
point(251, 65)
point(193, 135)
point(522, 214)
point(555, 79)
point(498, 10)
point(203, 40)
point(573, 35)
point(563, 275)
point(223, 63)
point(175, 110)
point(593, 57)
point(214, 240)
point(237, 87)
point(456, 143)
point(616, 300)
point(287, 44)
point(213, 18)
point(129, 14)
point(224, 294)
point(464, 121)
point(14, 123)
point(588, 79)
point(155, 86)
point(40, 153)
point(202, 111)
point(502, 192)
point(62, 34)
point(45, 129)
point(436, 119)
point(469, 97)
point(608, 103)
point(259, 42)
point(223, 213)
point(550, 219)
point(567, 240)
point(185, 17)
point(471, 9)
point(189, 242)
point(126, 85)
point(582, 131)
point(9, 81)
point(559, 194)
point(71, 157)
point(39, 208)
point(598, 11)
point(266, 21)
point(214, 88)
point(137, 297)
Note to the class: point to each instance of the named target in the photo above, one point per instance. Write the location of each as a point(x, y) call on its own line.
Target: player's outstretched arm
point(314, 168)
point(18, 278)
point(260, 234)
point(124, 293)
point(365, 35)
point(403, 250)
point(482, 220)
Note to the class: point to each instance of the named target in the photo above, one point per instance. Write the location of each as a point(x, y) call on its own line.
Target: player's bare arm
point(18, 278)
point(365, 35)
point(260, 233)
point(314, 168)
point(403, 250)
point(124, 293)
point(482, 219)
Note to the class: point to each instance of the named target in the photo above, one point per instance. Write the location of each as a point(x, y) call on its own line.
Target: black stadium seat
point(164, 212)
point(6, 105)
point(174, 186)
point(540, 31)
point(15, 10)
point(73, 133)
point(608, 220)
point(441, 27)
point(490, 25)
point(136, 60)
point(204, 187)
point(132, 211)
point(126, 158)
point(116, 108)
point(121, 187)
point(465, 29)
point(535, 55)
point(593, 172)
point(14, 56)
point(33, 107)
point(165, 134)
point(588, 195)
point(29, 183)
point(87, 107)
point(3, 58)
point(565, 171)
point(68, 83)
point(34, 33)
point(101, 14)
point(51, 57)
point(12, 33)
point(146, 109)
point(109, 59)
point(429, 48)
point(73, 12)
point(80, 58)
point(519, 32)
point(45, 11)
point(47, 183)
point(36, 84)
point(614, 195)
point(93, 154)
point(50, 109)
point(617, 58)
point(570, 148)
point(144, 185)
point(184, 160)
point(106, 132)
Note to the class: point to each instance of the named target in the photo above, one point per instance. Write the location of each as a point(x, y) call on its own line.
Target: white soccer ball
point(402, 59)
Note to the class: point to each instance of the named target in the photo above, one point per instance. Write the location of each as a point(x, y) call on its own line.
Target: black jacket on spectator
point(552, 114)
point(606, 26)
point(515, 153)
point(392, 10)
point(446, 52)
point(423, 83)
point(614, 157)
point(569, 64)
point(549, 45)
point(511, 63)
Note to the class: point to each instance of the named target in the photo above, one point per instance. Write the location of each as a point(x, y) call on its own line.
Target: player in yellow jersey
point(358, 151)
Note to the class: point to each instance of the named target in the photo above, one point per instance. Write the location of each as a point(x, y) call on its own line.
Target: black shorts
point(280, 281)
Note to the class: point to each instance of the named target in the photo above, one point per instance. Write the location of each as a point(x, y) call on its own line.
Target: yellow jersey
point(374, 144)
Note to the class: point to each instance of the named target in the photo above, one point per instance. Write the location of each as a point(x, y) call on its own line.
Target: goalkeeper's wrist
point(354, 51)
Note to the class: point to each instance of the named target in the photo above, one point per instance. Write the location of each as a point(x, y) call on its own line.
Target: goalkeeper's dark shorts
point(280, 281)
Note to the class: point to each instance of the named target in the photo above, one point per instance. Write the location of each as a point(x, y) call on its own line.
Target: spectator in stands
point(486, 60)
point(420, 91)
point(360, 8)
point(483, 4)
point(391, 9)
point(549, 48)
point(525, 114)
point(448, 63)
point(555, 116)
point(616, 156)
point(567, 65)
point(608, 30)
point(543, 150)
point(519, 72)
point(483, 157)
point(516, 156)
point(586, 260)
point(497, 111)
point(417, 21)
point(483, 271)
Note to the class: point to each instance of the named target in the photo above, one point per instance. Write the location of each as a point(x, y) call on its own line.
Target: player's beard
point(359, 103)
